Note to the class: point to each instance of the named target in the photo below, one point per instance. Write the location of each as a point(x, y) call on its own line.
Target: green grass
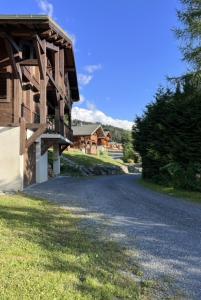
point(43, 255)
point(92, 160)
point(171, 191)
point(83, 159)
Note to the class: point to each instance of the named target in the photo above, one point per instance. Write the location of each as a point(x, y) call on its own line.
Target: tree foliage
point(190, 31)
point(168, 137)
point(128, 152)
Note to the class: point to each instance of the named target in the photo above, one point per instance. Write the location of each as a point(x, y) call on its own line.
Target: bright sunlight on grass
point(92, 160)
point(45, 256)
point(171, 191)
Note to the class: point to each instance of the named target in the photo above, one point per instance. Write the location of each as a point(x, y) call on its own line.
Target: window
point(5, 85)
point(28, 50)
point(3, 88)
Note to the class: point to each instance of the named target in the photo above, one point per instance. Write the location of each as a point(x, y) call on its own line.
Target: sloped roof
point(107, 132)
point(86, 129)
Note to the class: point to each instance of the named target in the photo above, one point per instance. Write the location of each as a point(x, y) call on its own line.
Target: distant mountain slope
point(117, 133)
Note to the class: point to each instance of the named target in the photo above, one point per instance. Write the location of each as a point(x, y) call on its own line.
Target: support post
point(41, 164)
point(16, 102)
point(43, 87)
point(56, 161)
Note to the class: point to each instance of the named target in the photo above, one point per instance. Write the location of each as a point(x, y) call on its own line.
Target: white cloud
point(92, 68)
point(90, 105)
point(84, 79)
point(95, 115)
point(46, 7)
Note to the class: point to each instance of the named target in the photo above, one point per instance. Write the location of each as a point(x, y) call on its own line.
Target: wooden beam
point(52, 47)
point(22, 136)
point(6, 61)
point(16, 102)
point(59, 42)
point(54, 36)
point(6, 75)
point(43, 86)
point(69, 46)
point(33, 125)
point(36, 135)
point(29, 62)
point(59, 90)
point(12, 42)
point(61, 105)
point(57, 75)
point(62, 148)
point(45, 145)
point(2, 124)
point(30, 78)
point(40, 59)
point(40, 43)
point(47, 33)
point(19, 73)
point(12, 58)
point(70, 69)
point(61, 62)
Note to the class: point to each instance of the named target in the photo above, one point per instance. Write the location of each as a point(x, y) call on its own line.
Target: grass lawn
point(43, 255)
point(171, 191)
point(92, 160)
point(85, 160)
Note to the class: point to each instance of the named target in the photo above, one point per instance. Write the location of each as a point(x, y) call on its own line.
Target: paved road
point(166, 231)
point(116, 155)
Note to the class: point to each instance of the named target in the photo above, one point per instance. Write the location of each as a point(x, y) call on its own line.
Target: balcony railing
point(59, 127)
point(29, 115)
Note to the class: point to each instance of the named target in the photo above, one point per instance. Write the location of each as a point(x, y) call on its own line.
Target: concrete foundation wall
point(41, 164)
point(11, 163)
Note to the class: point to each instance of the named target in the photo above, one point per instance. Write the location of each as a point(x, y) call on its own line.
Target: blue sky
point(124, 49)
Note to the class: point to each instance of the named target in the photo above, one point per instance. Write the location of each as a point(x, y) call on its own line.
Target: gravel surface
point(165, 231)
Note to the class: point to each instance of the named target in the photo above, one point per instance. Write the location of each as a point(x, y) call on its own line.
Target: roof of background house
point(86, 129)
point(107, 132)
point(40, 24)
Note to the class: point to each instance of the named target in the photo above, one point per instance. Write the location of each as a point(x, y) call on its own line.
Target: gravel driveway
point(165, 231)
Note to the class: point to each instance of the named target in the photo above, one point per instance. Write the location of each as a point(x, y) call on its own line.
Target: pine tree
point(190, 32)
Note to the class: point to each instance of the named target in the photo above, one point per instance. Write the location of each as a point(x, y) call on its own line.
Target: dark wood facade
point(38, 83)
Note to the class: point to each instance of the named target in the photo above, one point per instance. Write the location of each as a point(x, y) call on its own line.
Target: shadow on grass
point(87, 267)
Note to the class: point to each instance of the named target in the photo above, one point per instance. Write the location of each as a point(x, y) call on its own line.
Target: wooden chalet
point(38, 85)
point(89, 138)
point(107, 140)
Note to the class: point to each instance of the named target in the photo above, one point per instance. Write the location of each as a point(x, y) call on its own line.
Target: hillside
point(117, 133)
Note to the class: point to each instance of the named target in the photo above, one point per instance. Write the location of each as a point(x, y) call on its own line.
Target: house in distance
point(90, 138)
point(38, 85)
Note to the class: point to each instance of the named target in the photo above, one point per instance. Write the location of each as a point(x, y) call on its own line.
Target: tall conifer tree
point(190, 32)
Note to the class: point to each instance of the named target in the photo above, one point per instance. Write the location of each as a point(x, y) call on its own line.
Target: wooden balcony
point(59, 127)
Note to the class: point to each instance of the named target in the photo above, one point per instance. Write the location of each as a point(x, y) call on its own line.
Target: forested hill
point(117, 133)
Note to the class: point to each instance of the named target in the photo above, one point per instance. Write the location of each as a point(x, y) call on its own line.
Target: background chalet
point(38, 85)
point(90, 138)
